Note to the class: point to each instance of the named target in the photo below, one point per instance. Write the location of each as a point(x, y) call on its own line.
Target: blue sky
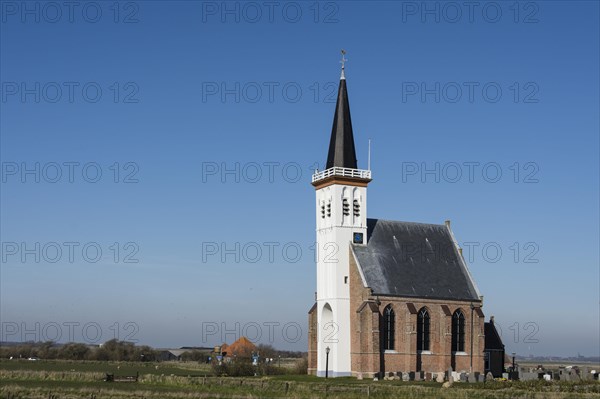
point(130, 116)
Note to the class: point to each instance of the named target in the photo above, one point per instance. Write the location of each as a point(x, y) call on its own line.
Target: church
point(393, 296)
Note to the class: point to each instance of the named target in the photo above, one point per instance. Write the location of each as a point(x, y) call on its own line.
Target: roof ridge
point(407, 222)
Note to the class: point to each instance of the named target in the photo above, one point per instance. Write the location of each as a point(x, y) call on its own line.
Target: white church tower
point(341, 214)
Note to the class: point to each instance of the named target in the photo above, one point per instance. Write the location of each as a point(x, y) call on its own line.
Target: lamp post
point(514, 370)
point(327, 362)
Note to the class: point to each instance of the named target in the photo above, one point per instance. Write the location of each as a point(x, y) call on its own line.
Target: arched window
point(345, 207)
point(423, 330)
point(458, 331)
point(389, 320)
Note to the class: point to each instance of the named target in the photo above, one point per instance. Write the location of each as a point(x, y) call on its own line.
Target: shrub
point(301, 367)
point(237, 368)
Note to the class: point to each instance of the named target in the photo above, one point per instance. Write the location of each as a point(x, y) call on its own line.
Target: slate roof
point(413, 260)
point(341, 145)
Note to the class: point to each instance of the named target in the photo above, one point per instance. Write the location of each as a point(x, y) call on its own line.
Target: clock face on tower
point(357, 238)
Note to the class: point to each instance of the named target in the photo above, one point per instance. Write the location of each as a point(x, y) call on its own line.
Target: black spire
point(341, 146)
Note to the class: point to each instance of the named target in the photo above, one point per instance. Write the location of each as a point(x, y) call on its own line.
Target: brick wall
point(368, 358)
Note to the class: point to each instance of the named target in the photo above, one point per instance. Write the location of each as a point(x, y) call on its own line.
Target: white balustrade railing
point(343, 172)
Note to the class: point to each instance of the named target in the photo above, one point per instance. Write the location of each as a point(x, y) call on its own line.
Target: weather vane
point(343, 61)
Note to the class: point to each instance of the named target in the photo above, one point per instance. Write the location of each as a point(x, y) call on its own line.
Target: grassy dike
point(67, 380)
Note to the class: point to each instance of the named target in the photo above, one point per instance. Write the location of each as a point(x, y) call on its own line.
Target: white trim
point(425, 352)
point(390, 351)
point(460, 353)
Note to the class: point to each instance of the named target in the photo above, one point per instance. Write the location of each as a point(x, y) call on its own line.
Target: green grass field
point(177, 368)
point(84, 379)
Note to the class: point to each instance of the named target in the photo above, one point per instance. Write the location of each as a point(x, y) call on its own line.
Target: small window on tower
point(357, 238)
point(345, 207)
point(345, 279)
point(329, 210)
point(323, 211)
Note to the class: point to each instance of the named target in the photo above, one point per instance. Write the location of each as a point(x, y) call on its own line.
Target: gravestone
point(528, 376)
point(575, 376)
point(566, 376)
point(489, 376)
point(440, 377)
point(405, 377)
point(411, 375)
